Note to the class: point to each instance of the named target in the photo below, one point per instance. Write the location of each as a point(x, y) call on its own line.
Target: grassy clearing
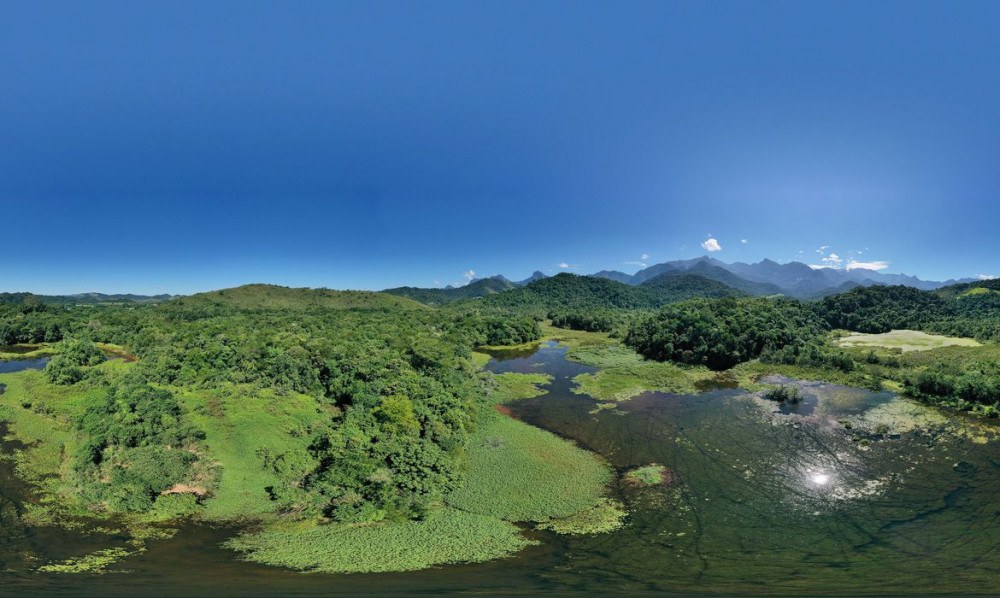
point(904, 340)
point(259, 440)
point(38, 415)
point(446, 536)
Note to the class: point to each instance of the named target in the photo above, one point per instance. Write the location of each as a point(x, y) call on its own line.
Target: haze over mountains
point(764, 278)
point(767, 277)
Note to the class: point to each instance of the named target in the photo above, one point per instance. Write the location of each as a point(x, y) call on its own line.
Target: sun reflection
point(820, 478)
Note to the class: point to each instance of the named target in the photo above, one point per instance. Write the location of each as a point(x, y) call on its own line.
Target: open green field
point(905, 340)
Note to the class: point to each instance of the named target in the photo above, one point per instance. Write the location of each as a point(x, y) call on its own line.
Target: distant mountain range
point(82, 298)
point(767, 277)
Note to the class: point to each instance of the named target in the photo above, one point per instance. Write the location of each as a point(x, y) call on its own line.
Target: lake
point(848, 492)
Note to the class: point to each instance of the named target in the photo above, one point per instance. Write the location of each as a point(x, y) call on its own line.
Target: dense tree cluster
point(67, 367)
point(26, 320)
point(136, 440)
point(971, 310)
point(569, 292)
point(722, 333)
point(880, 309)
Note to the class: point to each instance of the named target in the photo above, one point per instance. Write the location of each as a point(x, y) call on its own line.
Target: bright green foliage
point(520, 473)
point(445, 536)
point(513, 386)
point(131, 448)
point(648, 475)
point(67, 367)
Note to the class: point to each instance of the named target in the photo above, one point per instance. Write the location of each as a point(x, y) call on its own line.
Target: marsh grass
point(648, 475)
point(607, 515)
point(513, 386)
point(445, 536)
point(521, 473)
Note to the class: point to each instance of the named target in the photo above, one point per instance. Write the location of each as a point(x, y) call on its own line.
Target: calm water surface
point(849, 492)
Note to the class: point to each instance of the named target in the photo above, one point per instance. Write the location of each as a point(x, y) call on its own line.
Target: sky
point(186, 146)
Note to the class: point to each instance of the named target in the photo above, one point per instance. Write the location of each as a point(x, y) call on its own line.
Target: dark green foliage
point(569, 292)
point(783, 394)
point(597, 320)
point(969, 310)
point(672, 287)
point(721, 275)
point(723, 333)
point(880, 309)
point(813, 352)
point(969, 386)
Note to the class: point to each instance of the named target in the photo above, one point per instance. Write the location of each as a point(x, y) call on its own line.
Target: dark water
point(763, 502)
point(17, 365)
point(18, 349)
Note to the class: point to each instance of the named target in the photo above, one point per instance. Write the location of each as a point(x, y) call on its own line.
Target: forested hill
point(80, 299)
point(273, 297)
point(721, 275)
point(673, 287)
point(478, 288)
point(970, 309)
point(572, 293)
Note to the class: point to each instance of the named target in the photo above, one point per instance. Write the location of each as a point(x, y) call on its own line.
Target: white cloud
point(744, 241)
point(986, 277)
point(822, 250)
point(833, 260)
point(644, 257)
point(873, 265)
point(469, 275)
point(711, 245)
point(564, 265)
point(640, 264)
point(437, 283)
point(822, 267)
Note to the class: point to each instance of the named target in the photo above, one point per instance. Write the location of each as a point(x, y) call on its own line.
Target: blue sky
point(186, 146)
